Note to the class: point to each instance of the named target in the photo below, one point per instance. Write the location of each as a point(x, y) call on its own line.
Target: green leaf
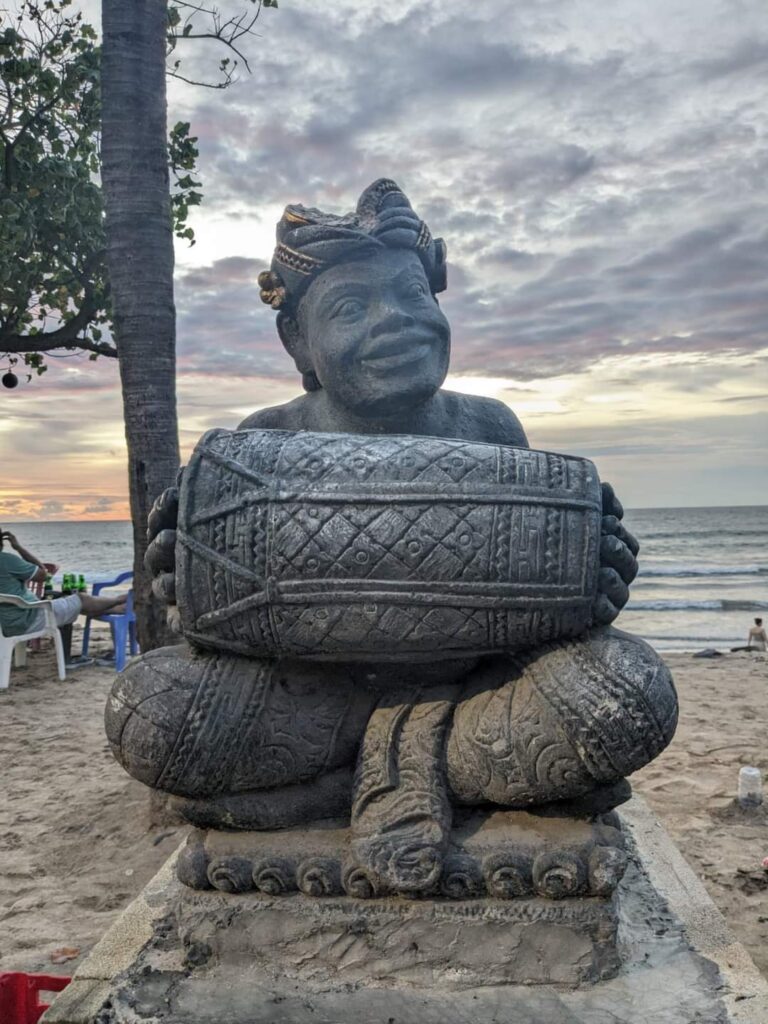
point(51, 208)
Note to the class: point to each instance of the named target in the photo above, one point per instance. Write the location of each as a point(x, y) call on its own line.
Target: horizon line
point(634, 508)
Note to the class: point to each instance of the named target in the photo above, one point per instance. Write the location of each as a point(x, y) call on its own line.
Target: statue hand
point(618, 560)
point(160, 556)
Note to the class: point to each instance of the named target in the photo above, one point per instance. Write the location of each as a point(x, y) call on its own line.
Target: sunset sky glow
point(599, 175)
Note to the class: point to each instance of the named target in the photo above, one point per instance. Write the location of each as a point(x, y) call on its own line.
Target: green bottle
point(48, 586)
point(66, 583)
point(82, 586)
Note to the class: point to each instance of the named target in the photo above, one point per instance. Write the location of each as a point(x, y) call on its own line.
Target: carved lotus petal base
point(505, 855)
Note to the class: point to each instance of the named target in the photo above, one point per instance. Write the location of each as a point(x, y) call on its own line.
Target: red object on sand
point(19, 995)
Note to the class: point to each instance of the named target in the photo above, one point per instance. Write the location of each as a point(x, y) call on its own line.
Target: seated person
point(16, 570)
point(757, 636)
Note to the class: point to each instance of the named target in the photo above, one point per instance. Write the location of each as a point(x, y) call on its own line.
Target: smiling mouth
point(397, 352)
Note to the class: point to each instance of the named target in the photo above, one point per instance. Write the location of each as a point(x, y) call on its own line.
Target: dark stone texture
point(501, 854)
point(395, 607)
point(573, 714)
point(383, 548)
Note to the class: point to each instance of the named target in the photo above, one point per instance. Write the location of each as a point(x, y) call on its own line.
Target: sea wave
point(685, 534)
point(696, 640)
point(672, 605)
point(710, 570)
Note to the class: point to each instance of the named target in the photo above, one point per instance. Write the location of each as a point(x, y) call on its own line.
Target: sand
point(692, 786)
point(76, 842)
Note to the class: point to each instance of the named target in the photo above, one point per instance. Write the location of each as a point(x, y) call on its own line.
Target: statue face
point(374, 334)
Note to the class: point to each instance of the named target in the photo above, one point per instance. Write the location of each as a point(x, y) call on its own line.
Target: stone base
point(177, 956)
point(523, 899)
point(318, 945)
point(504, 855)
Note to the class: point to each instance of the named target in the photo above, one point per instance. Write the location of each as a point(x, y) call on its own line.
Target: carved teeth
point(319, 876)
point(508, 875)
point(559, 873)
point(504, 874)
point(358, 883)
point(607, 865)
point(274, 877)
point(230, 874)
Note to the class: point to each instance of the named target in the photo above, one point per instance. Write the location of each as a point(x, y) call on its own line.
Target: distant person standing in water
point(16, 570)
point(757, 637)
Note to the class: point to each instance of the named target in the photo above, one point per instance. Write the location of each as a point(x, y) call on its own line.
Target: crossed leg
point(561, 721)
point(259, 745)
point(245, 743)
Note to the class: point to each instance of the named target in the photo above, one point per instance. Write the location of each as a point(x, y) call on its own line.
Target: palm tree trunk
point(140, 263)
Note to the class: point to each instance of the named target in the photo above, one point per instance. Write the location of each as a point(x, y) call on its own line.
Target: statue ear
point(295, 345)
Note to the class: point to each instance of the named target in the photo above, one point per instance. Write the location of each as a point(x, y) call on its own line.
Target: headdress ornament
point(309, 241)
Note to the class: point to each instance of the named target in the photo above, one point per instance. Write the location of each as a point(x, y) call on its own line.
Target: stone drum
point(396, 547)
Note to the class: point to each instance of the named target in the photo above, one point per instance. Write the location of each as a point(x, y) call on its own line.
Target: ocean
point(703, 571)
point(703, 576)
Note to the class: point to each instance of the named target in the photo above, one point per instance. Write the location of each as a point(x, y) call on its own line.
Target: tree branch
point(205, 85)
point(64, 337)
point(227, 32)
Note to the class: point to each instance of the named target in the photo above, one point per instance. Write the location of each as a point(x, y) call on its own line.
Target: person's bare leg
point(102, 605)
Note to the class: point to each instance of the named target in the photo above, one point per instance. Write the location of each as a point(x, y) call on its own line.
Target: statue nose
point(393, 320)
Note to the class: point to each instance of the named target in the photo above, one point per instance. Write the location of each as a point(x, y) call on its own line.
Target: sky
point(598, 172)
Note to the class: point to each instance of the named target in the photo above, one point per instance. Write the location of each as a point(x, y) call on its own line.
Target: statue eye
point(415, 290)
point(349, 309)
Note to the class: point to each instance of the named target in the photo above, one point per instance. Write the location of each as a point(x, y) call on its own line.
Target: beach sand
point(76, 842)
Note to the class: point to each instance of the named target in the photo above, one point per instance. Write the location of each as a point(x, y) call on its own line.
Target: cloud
point(101, 506)
point(748, 54)
point(601, 192)
point(585, 191)
point(50, 508)
point(745, 398)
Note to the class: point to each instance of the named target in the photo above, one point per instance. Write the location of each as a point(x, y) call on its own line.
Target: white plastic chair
point(17, 645)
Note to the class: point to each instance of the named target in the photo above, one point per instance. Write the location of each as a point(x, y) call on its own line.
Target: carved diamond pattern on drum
point(306, 536)
point(438, 542)
point(374, 459)
point(339, 628)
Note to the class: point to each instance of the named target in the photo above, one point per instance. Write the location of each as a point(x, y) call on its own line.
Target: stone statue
point(394, 609)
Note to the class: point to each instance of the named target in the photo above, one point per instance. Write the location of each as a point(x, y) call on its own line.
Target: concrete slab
point(745, 991)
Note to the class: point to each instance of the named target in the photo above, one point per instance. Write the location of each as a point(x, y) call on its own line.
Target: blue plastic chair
point(123, 626)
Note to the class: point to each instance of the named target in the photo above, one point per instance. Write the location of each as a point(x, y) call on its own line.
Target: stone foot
point(401, 813)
